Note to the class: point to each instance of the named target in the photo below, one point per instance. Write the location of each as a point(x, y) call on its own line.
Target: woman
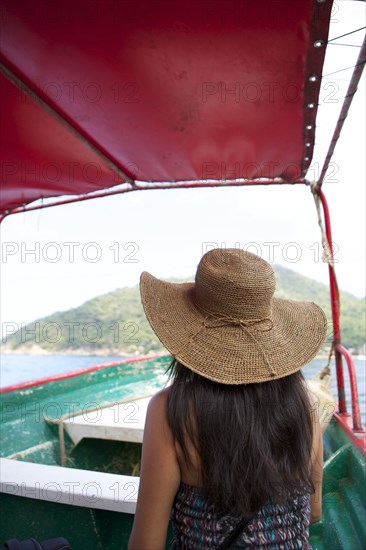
point(233, 446)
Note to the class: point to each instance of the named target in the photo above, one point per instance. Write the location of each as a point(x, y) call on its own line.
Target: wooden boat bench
point(117, 421)
point(90, 489)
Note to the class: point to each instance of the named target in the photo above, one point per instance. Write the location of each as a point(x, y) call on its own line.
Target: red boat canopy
point(101, 93)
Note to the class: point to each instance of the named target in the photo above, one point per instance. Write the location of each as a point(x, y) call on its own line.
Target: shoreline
point(82, 352)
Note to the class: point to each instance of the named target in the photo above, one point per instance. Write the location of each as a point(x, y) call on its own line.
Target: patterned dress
point(276, 527)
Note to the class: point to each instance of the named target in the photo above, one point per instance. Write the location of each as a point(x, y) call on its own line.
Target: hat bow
point(215, 320)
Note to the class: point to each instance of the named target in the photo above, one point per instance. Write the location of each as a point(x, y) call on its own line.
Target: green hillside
point(115, 324)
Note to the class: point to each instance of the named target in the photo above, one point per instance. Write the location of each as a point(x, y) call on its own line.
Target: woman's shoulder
point(160, 397)
point(156, 410)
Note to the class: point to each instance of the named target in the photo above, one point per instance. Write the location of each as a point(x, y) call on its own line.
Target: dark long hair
point(254, 440)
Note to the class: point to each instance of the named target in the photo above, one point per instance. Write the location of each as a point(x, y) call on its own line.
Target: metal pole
point(334, 298)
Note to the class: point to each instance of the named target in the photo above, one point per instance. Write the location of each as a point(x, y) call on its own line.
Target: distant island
point(115, 323)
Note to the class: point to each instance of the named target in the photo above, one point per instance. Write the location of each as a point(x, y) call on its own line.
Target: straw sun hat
point(227, 326)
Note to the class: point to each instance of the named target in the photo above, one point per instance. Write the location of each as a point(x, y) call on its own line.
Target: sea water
point(21, 368)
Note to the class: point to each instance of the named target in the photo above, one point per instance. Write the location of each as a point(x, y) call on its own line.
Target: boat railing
point(356, 416)
point(355, 430)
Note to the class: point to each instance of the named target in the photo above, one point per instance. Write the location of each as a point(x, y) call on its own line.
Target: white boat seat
point(118, 421)
point(86, 488)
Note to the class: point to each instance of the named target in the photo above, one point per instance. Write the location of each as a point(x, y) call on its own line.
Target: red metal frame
point(334, 298)
point(358, 439)
point(342, 417)
point(353, 428)
point(357, 423)
point(148, 186)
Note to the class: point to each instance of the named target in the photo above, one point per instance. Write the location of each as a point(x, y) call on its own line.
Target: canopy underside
point(97, 94)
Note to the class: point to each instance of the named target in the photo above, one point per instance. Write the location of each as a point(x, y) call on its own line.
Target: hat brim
point(232, 354)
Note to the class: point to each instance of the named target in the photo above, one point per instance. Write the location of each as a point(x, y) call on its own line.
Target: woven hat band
point(217, 320)
point(213, 320)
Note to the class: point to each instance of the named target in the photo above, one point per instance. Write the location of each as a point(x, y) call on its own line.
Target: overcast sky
point(166, 232)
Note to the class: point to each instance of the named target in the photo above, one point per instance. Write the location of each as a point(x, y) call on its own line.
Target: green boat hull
point(84, 528)
point(30, 433)
point(343, 523)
